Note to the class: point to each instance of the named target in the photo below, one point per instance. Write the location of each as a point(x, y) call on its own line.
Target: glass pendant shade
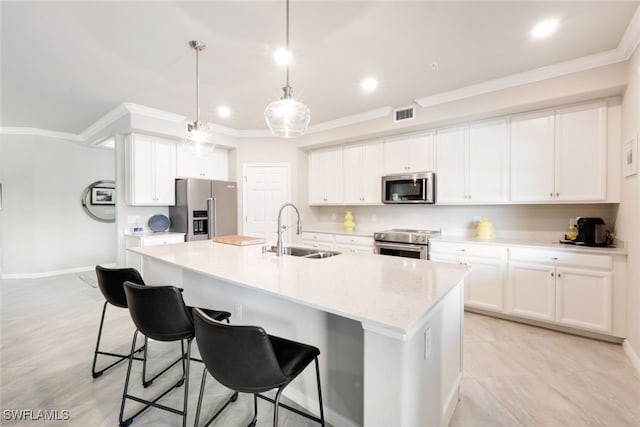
point(198, 139)
point(287, 117)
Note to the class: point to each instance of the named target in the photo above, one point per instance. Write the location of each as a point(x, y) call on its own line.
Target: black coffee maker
point(592, 232)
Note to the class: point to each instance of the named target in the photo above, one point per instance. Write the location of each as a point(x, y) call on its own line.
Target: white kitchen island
point(389, 329)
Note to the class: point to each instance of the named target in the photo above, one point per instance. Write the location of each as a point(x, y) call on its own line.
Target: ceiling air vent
point(404, 113)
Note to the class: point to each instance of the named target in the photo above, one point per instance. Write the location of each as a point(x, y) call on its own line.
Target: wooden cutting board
point(238, 240)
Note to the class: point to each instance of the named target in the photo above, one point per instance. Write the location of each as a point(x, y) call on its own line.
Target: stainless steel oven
point(404, 243)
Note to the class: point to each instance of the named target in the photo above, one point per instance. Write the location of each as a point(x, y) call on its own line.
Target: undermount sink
point(311, 253)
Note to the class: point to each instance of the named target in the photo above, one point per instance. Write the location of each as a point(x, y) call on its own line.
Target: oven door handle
point(402, 246)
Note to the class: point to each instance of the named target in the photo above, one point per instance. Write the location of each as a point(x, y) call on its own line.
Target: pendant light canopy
point(287, 117)
point(198, 137)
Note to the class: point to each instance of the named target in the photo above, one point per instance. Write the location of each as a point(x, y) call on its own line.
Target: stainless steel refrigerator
point(204, 209)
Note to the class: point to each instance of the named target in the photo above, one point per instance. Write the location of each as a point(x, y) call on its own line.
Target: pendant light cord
point(288, 51)
point(197, 87)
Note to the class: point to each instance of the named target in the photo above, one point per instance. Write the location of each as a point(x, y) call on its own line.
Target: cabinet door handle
point(559, 275)
point(552, 274)
point(555, 258)
point(557, 194)
point(550, 194)
point(462, 250)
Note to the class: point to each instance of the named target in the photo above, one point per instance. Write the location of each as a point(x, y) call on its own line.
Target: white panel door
point(141, 163)
point(333, 175)
point(266, 189)
point(353, 158)
point(584, 298)
point(316, 177)
point(451, 165)
point(484, 286)
point(581, 144)
point(372, 170)
point(532, 167)
point(488, 162)
point(165, 172)
point(396, 155)
point(420, 153)
point(531, 289)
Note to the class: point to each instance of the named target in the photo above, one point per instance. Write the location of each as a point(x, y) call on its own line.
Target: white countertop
point(537, 245)
point(154, 234)
point(389, 292)
point(337, 229)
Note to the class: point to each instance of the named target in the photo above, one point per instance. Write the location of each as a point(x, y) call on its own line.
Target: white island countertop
point(389, 293)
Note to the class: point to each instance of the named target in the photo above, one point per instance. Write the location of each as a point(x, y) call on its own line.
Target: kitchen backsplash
point(521, 222)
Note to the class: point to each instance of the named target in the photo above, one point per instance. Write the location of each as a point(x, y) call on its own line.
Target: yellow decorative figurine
point(348, 222)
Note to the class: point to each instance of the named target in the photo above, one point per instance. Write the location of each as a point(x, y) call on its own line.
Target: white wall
point(629, 213)
point(44, 227)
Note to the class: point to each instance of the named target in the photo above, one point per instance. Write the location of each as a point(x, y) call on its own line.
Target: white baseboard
point(632, 355)
point(52, 273)
point(311, 404)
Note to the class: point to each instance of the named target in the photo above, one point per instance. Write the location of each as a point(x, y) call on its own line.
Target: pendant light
point(287, 117)
point(198, 135)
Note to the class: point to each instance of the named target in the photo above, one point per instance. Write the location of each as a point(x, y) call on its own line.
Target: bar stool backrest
point(239, 357)
point(159, 312)
point(111, 280)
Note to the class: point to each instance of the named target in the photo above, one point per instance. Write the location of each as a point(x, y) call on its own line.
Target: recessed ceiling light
point(369, 84)
point(282, 56)
point(224, 111)
point(545, 28)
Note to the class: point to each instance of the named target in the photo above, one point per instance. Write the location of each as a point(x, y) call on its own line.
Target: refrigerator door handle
point(211, 206)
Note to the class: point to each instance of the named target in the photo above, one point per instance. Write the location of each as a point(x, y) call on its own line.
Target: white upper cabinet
point(409, 153)
point(472, 163)
point(213, 165)
point(560, 156)
point(451, 165)
point(326, 176)
point(581, 147)
point(532, 157)
point(363, 168)
point(150, 171)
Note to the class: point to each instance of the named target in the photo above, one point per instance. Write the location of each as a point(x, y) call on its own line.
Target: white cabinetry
point(347, 243)
point(409, 153)
point(563, 287)
point(472, 163)
point(326, 176)
point(150, 171)
point(363, 167)
point(560, 156)
point(149, 239)
point(213, 165)
point(484, 286)
point(317, 240)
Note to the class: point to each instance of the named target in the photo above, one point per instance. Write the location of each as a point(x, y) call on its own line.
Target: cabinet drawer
point(475, 250)
point(155, 241)
point(561, 258)
point(354, 240)
point(317, 237)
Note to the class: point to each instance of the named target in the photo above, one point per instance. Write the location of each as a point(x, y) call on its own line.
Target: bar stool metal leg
point(121, 357)
point(146, 383)
point(233, 398)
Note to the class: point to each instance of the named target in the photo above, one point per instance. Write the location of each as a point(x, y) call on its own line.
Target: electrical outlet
point(238, 311)
point(374, 218)
point(133, 219)
point(333, 217)
point(476, 219)
point(427, 343)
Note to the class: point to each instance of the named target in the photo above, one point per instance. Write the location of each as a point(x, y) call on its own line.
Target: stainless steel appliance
point(404, 243)
point(204, 209)
point(409, 188)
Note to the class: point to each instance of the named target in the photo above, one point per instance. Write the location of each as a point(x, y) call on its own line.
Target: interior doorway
point(266, 187)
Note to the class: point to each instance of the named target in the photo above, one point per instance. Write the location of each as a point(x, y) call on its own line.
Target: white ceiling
point(65, 64)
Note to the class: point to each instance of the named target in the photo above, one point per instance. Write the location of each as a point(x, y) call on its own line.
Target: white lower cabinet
point(338, 242)
point(558, 287)
point(134, 260)
point(531, 291)
point(566, 288)
point(484, 286)
point(584, 298)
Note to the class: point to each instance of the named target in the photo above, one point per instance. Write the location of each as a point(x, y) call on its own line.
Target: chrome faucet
point(281, 228)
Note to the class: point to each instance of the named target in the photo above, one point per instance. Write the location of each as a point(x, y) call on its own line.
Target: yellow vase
point(348, 223)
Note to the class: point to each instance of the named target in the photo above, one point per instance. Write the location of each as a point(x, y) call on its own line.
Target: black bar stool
point(245, 359)
point(110, 282)
point(159, 313)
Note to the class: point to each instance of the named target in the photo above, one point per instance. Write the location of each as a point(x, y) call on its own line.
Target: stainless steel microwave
point(417, 187)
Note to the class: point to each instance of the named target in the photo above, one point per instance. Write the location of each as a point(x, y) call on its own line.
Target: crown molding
point(103, 122)
point(153, 113)
point(9, 130)
point(631, 37)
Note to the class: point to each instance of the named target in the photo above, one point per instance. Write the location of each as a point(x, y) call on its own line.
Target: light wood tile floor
point(515, 375)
